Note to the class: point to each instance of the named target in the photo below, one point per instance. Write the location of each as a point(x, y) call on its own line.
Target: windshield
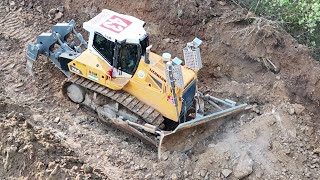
point(104, 47)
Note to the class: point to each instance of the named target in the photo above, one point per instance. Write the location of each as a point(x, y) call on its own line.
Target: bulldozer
point(115, 73)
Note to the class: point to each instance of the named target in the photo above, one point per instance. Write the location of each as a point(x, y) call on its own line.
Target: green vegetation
point(301, 18)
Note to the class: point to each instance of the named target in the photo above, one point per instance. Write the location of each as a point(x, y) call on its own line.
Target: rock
point(12, 5)
point(160, 174)
point(55, 170)
point(174, 176)
point(148, 176)
point(60, 9)
point(222, 3)
point(39, 9)
point(244, 166)
point(316, 151)
point(278, 77)
point(137, 167)
point(79, 177)
point(167, 40)
point(30, 5)
point(203, 172)
point(226, 172)
point(165, 156)
point(58, 16)
point(298, 108)
point(308, 131)
point(40, 166)
point(56, 120)
point(291, 110)
point(10, 115)
point(87, 169)
point(52, 13)
point(75, 168)
point(20, 117)
point(185, 174)
point(51, 165)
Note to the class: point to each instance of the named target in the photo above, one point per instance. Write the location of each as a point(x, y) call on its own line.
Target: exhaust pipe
point(148, 50)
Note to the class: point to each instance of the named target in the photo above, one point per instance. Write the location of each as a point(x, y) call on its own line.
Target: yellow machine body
point(148, 84)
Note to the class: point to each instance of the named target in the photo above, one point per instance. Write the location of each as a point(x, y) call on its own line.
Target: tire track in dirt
point(15, 33)
point(14, 27)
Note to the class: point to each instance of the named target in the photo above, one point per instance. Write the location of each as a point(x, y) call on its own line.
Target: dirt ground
point(44, 136)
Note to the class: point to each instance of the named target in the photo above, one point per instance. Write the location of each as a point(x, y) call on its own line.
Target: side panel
point(95, 69)
point(143, 86)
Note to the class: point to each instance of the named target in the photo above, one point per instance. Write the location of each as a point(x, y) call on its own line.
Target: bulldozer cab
point(118, 39)
point(124, 57)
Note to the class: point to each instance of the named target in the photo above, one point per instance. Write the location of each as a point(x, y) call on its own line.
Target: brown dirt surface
point(44, 136)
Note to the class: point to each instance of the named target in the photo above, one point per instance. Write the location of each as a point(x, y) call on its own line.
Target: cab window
point(128, 58)
point(104, 47)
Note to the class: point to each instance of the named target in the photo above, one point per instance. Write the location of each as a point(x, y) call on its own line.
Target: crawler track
point(145, 112)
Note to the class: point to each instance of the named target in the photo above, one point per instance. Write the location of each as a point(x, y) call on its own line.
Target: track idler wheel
point(75, 93)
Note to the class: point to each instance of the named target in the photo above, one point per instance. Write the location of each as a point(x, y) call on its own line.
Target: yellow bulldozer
point(154, 97)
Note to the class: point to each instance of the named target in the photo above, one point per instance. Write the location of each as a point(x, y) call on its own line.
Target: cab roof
point(115, 26)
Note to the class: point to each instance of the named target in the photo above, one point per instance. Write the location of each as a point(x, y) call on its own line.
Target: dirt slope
point(278, 139)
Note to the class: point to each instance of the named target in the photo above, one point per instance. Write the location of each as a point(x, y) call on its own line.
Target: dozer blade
point(187, 134)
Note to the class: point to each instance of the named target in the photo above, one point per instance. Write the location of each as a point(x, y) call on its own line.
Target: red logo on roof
point(116, 24)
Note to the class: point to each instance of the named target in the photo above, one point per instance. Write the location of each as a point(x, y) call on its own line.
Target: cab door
point(128, 60)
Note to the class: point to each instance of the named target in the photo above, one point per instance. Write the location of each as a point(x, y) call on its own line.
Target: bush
point(301, 18)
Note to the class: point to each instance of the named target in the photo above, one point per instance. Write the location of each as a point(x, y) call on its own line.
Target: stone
point(226, 172)
point(10, 115)
point(40, 166)
point(185, 174)
point(148, 176)
point(291, 110)
point(79, 177)
point(174, 176)
point(137, 167)
point(316, 151)
point(203, 172)
point(298, 108)
point(52, 13)
point(56, 120)
point(165, 156)
point(55, 170)
point(39, 9)
point(52, 165)
point(75, 168)
point(222, 3)
point(167, 40)
point(60, 9)
point(58, 16)
point(12, 5)
point(308, 131)
point(87, 169)
point(244, 166)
